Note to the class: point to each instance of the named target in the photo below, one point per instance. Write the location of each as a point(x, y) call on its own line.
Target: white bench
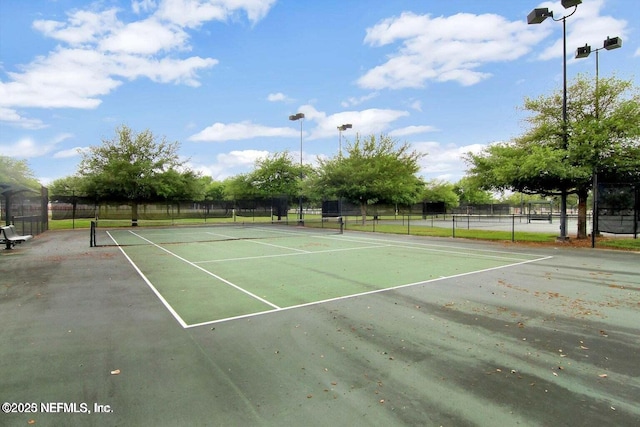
point(10, 238)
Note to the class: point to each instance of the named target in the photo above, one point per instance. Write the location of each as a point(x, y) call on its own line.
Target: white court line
point(293, 254)
point(257, 242)
point(377, 291)
point(474, 255)
point(269, 303)
point(153, 288)
point(478, 253)
point(406, 245)
point(279, 246)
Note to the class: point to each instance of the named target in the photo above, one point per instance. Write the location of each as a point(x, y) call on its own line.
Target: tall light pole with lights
point(341, 129)
point(537, 16)
point(294, 117)
point(583, 52)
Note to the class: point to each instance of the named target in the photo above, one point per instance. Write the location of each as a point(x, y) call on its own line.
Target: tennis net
point(112, 233)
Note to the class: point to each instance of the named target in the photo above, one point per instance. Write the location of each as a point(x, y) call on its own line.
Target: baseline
point(455, 250)
point(376, 291)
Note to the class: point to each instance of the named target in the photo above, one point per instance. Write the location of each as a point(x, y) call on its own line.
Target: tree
point(374, 170)
point(67, 186)
point(213, 190)
point(137, 167)
point(277, 175)
point(17, 172)
point(239, 187)
point(603, 136)
point(15, 177)
point(470, 192)
point(441, 191)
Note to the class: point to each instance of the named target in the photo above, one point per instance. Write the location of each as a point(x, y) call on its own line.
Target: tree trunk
point(582, 214)
point(363, 210)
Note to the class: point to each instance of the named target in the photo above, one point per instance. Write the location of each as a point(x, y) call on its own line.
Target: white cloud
point(237, 131)
point(26, 148)
point(353, 101)
point(411, 130)
point(164, 70)
point(145, 37)
point(416, 105)
point(66, 78)
point(278, 97)
point(434, 49)
point(241, 157)
point(71, 152)
point(98, 50)
point(12, 117)
point(192, 13)
point(82, 27)
point(29, 148)
point(316, 125)
point(230, 164)
point(141, 6)
point(444, 161)
point(370, 121)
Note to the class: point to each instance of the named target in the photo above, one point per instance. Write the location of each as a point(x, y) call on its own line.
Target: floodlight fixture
point(583, 52)
point(570, 3)
point(612, 43)
point(296, 116)
point(342, 128)
point(538, 15)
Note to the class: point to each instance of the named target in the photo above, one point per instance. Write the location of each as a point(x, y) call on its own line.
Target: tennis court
point(210, 274)
point(296, 326)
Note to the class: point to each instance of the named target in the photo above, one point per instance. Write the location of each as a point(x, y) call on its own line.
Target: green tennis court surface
point(211, 274)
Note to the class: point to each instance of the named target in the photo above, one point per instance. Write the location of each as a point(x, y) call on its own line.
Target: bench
point(10, 238)
point(540, 217)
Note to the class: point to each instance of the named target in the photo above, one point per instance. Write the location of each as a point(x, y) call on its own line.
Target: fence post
point(453, 217)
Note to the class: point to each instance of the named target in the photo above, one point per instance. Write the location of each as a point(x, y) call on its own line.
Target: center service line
point(210, 273)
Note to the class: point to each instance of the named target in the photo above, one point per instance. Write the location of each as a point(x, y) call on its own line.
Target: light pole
point(583, 52)
point(294, 117)
point(536, 16)
point(73, 206)
point(341, 129)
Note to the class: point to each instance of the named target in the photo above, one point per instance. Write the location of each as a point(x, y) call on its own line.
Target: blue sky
point(221, 77)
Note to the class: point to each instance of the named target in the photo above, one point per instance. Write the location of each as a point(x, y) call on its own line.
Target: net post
point(92, 234)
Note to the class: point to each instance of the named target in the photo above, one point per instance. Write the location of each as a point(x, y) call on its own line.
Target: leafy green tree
point(179, 186)
point(17, 172)
point(277, 175)
point(239, 187)
point(15, 177)
point(213, 190)
point(67, 186)
point(374, 170)
point(470, 192)
point(441, 191)
point(137, 167)
point(603, 136)
point(520, 199)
